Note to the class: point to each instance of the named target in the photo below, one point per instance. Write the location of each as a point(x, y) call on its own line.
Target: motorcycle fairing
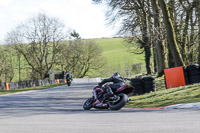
point(125, 89)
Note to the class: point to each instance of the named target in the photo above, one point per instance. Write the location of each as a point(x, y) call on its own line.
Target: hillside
point(116, 53)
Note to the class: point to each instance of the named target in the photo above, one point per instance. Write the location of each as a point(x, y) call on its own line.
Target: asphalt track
point(59, 110)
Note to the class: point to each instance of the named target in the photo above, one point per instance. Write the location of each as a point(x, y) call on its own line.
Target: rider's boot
point(99, 104)
point(109, 91)
point(111, 94)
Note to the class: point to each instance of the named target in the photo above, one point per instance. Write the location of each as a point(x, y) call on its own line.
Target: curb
point(145, 108)
point(18, 93)
point(175, 106)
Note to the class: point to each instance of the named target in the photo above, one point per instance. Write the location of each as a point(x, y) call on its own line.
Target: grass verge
point(2, 92)
point(185, 94)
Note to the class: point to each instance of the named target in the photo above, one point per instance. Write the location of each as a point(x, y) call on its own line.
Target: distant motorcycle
point(109, 102)
point(69, 80)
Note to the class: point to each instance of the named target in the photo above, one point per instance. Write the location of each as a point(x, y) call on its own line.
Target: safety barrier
point(143, 85)
point(181, 76)
point(25, 84)
point(32, 83)
point(87, 80)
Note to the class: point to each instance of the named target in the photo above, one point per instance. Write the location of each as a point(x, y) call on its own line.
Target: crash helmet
point(116, 75)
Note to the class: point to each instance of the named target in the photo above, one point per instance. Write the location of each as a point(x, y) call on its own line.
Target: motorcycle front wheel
point(88, 103)
point(120, 103)
point(69, 83)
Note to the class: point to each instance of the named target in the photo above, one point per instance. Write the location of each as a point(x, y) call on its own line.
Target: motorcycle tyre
point(69, 83)
point(88, 103)
point(123, 100)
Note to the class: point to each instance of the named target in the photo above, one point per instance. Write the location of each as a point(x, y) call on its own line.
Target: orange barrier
point(174, 77)
point(58, 81)
point(7, 87)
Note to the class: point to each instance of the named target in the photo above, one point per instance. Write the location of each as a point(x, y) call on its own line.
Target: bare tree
point(82, 58)
point(134, 16)
point(39, 41)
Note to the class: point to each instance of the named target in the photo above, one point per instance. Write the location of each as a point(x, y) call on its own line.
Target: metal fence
point(27, 84)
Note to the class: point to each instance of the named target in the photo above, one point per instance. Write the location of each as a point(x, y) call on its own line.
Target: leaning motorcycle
point(108, 102)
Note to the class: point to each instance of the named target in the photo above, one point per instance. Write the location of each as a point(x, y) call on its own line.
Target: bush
point(136, 68)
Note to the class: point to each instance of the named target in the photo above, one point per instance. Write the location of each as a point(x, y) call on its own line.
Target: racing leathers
point(110, 88)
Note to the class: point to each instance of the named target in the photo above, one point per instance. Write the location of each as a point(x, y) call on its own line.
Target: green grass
point(165, 97)
point(31, 88)
point(116, 53)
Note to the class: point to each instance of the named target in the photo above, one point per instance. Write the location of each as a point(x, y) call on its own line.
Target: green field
point(116, 53)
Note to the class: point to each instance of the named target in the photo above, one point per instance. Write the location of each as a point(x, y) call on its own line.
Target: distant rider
point(68, 76)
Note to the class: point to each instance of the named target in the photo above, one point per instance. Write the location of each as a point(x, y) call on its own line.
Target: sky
point(85, 17)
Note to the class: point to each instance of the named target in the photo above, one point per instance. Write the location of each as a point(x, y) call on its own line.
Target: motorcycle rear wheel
point(121, 103)
point(88, 103)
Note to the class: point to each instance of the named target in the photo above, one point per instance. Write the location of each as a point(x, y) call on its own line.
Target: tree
point(82, 58)
point(39, 41)
point(158, 40)
point(171, 35)
point(145, 35)
point(6, 64)
point(197, 2)
point(75, 35)
point(134, 16)
point(170, 26)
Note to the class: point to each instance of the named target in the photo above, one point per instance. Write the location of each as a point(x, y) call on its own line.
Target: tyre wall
point(138, 85)
point(181, 76)
point(192, 73)
point(143, 85)
point(149, 84)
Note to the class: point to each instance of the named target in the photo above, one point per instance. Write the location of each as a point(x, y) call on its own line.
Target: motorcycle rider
point(68, 76)
point(117, 80)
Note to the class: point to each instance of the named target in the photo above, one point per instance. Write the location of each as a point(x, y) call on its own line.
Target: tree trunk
point(171, 35)
point(19, 57)
point(159, 43)
point(155, 56)
point(198, 15)
point(145, 39)
point(170, 58)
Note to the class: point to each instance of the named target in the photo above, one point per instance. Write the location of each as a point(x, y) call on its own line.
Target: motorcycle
point(108, 102)
point(69, 80)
